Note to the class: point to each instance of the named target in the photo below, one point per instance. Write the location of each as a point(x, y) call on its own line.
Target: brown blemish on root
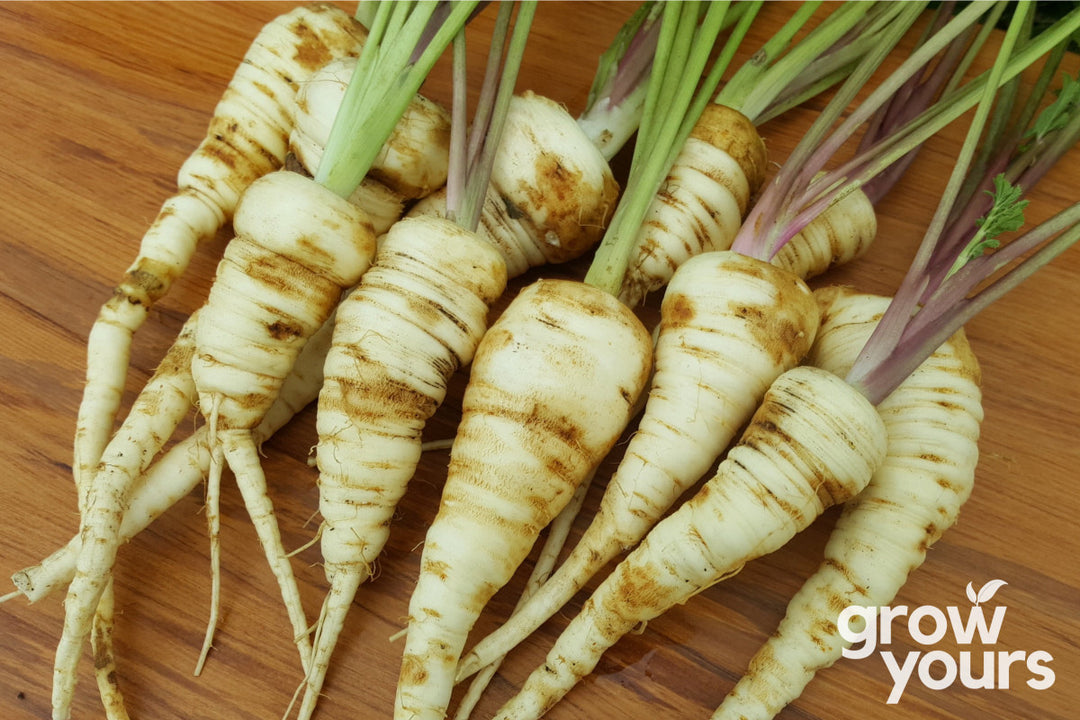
point(845, 572)
point(636, 589)
point(311, 52)
point(575, 214)
point(312, 247)
point(438, 568)
point(145, 283)
point(102, 657)
point(822, 630)
point(729, 130)
point(373, 396)
point(679, 312)
point(413, 670)
point(284, 331)
point(785, 328)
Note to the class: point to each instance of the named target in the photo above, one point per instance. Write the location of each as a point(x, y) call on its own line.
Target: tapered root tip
point(208, 642)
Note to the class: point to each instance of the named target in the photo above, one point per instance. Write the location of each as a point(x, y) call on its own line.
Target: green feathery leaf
point(1006, 215)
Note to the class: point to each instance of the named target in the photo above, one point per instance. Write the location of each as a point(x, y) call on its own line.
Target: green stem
point(757, 83)
point(457, 167)
point(382, 87)
point(669, 26)
point(480, 172)
point(669, 124)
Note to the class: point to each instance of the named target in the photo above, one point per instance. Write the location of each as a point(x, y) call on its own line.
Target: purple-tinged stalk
point(616, 98)
point(1020, 160)
point(938, 294)
point(920, 91)
point(845, 229)
point(802, 191)
point(551, 192)
point(781, 75)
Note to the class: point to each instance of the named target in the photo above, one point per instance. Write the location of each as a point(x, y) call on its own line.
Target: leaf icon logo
point(984, 593)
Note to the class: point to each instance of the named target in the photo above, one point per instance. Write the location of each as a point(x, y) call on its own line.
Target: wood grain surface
point(99, 105)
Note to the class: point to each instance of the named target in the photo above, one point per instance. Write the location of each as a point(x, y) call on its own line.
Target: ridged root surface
point(702, 202)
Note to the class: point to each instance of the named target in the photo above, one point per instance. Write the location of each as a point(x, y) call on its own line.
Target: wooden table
point(101, 103)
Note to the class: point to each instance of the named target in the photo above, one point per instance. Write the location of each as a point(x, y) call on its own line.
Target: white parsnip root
point(550, 390)
point(165, 400)
point(932, 420)
point(813, 442)
point(414, 320)
point(842, 233)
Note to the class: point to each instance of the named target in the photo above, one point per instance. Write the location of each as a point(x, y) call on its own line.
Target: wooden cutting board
point(100, 104)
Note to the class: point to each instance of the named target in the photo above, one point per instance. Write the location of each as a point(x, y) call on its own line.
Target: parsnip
point(298, 246)
point(884, 533)
point(551, 192)
point(245, 140)
point(525, 441)
point(666, 119)
point(159, 408)
point(415, 318)
point(414, 161)
point(813, 442)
